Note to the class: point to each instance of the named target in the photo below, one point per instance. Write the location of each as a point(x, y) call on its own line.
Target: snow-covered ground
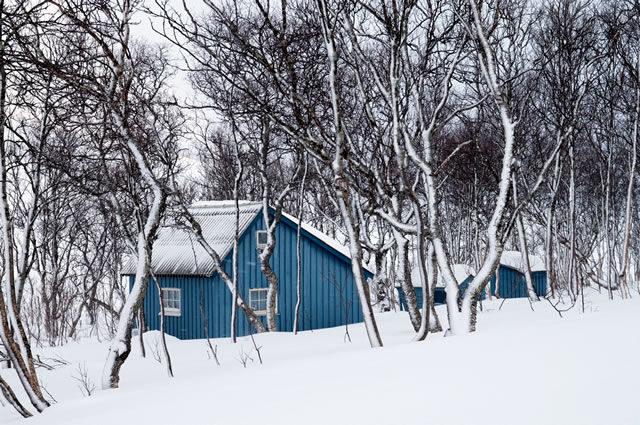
point(521, 367)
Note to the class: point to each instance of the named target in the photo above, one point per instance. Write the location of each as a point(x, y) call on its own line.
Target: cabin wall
point(511, 285)
point(514, 285)
point(194, 291)
point(540, 282)
point(325, 276)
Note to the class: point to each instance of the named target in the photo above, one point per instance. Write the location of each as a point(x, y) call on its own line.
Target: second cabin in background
point(508, 282)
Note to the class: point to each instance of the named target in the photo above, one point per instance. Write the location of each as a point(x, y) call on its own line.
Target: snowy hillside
point(521, 367)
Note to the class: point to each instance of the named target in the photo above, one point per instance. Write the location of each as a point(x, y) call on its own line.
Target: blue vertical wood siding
point(513, 284)
point(540, 282)
point(325, 274)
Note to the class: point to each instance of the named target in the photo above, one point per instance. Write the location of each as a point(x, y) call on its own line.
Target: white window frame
point(266, 306)
point(171, 311)
point(259, 244)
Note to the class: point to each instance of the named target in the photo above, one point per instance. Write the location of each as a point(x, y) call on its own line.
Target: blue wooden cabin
point(188, 280)
point(512, 283)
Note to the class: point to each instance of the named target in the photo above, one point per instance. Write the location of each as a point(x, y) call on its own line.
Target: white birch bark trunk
point(120, 347)
point(470, 297)
point(267, 251)
point(632, 176)
point(234, 291)
point(12, 333)
point(236, 239)
point(271, 226)
point(296, 313)
point(341, 186)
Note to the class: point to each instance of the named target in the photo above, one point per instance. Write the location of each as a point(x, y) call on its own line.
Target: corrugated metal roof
point(177, 252)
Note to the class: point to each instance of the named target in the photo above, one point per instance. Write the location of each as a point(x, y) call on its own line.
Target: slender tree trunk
point(141, 329)
point(427, 294)
point(632, 175)
point(236, 239)
point(549, 234)
point(341, 185)
point(296, 314)
point(267, 251)
point(606, 226)
point(205, 325)
point(531, 289)
point(470, 297)
point(271, 227)
point(430, 321)
point(120, 347)
point(272, 293)
point(572, 221)
point(10, 396)
point(403, 277)
point(163, 333)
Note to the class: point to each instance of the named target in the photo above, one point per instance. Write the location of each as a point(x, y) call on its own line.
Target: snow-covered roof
point(177, 252)
point(460, 272)
point(513, 259)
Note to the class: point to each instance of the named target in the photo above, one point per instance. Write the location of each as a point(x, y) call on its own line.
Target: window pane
point(258, 299)
point(171, 298)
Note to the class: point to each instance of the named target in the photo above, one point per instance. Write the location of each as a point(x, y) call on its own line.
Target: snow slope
point(521, 367)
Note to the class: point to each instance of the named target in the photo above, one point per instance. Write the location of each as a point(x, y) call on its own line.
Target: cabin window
point(171, 301)
point(258, 301)
point(261, 239)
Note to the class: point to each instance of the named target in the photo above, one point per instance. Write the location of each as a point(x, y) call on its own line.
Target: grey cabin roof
point(177, 252)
